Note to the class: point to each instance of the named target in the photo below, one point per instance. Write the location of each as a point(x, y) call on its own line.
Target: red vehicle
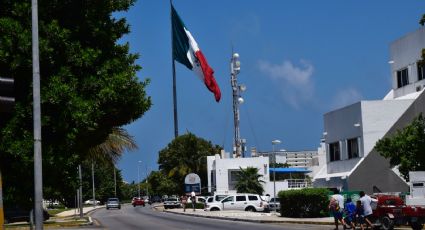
point(138, 201)
point(391, 210)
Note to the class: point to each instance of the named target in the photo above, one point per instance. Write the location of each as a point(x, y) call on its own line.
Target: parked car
point(274, 203)
point(17, 214)
point(391, 210)
point(113, 203)
point(245, 201)
point(215, 198)
point(138, 201)
point(172, 202)
point(91, 202)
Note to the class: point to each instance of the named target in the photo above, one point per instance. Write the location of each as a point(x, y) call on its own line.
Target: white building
point(222, 174)
point(350, 133)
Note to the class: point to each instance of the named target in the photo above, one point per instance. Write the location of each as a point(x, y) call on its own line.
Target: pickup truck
point(391, 210)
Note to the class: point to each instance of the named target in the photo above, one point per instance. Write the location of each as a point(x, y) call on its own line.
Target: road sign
point(192, 182)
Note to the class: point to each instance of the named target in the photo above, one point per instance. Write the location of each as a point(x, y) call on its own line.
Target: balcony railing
point(299, 183)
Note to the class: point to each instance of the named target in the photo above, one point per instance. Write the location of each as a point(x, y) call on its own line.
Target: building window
point(421, 72)
point(402, 78)
point(233, 178)
point(334, 151)
point(353, 148)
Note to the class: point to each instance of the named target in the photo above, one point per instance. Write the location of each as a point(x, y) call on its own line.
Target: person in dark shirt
point(360, 214)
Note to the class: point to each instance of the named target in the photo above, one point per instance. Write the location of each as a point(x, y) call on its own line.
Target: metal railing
point(298, 183)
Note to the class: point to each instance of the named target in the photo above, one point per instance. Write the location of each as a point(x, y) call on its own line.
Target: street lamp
point(274, 142)
point(138, 176)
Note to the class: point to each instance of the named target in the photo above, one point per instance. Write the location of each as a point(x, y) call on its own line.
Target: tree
point(88, 87)
point(249, 181)
point(406, 147)
point(186, 154)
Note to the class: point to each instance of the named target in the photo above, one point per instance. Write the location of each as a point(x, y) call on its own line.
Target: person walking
point(193, 199)
point(359, 214)
point(336, 206)
point(350, 213)
point(366, 202)
point(184, 202)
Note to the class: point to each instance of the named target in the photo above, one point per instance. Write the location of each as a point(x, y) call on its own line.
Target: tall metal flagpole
point(38, 172)
point(176, 125)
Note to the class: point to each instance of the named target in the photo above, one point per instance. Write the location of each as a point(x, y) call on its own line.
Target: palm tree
point(113, 147)
point(249, 181)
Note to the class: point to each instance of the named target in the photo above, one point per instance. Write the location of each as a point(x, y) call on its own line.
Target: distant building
point(295, 159)
point(350, 133)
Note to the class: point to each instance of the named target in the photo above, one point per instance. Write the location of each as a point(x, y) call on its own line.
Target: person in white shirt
point(336, 206)
point(193, 199)
point(367, 208)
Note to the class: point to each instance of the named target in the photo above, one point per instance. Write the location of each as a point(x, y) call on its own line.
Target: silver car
point(113, 203)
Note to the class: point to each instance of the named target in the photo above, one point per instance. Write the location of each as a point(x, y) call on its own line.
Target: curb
point(255, 221)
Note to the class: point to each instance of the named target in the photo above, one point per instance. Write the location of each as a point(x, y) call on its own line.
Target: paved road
point(129, 218)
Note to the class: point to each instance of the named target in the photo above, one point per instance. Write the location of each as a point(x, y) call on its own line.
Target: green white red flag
point(187, 52)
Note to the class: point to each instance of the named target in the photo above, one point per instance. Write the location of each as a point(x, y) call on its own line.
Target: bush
point(305, 203)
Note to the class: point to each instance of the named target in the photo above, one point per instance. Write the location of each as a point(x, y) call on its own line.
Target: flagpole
point(176, 125)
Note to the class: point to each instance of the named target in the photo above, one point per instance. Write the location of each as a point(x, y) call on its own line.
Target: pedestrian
point(359, 214)
point(336, 206)
point(193, 199)
point(350, 213)
point(366, 202)
point(184, 202)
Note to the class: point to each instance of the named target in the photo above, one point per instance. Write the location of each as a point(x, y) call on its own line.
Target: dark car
point(17, 214)
point(137, 201)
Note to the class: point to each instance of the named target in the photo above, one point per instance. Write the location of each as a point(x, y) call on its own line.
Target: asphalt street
point(129, 218)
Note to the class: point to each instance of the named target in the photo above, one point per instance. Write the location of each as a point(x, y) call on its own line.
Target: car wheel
point(416, 225)
point(214, 209)
point(134, 205)
point(387, 223)
point(250, 209)
point(143, 205)
point(107, 208)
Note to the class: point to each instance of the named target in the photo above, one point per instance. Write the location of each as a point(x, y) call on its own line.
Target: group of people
point(184, 200)
point(350, 214)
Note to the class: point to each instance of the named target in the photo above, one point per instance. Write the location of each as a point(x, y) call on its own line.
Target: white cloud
point(296, 81)
point(346, 97)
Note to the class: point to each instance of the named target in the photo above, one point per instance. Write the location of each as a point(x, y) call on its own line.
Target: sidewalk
point(258, 217)
point(76, 212)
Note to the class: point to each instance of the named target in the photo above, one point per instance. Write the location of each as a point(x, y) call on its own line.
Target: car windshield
point(172, 199)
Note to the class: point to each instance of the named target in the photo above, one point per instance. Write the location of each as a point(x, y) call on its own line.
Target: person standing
point(193, 199)
point(350, 213)
point(336, 206)
point(367, 208)
point(184, 202)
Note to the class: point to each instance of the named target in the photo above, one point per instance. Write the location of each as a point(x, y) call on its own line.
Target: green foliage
point(185, 154)
point(406, 147)
point(305, 203)
point(422, 21)
point(88, 87)
point(249, 181)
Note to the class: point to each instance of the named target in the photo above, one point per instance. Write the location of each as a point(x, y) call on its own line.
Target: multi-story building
point(350, 133)
point(294, 159)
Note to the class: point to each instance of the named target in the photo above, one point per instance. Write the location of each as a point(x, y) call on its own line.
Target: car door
point(241, 202)
point(229, 203)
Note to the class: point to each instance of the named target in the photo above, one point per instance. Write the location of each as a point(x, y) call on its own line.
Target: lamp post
point(274, 142)
point(138, 176)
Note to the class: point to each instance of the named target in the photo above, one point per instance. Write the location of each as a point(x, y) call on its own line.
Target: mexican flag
point(187, 52)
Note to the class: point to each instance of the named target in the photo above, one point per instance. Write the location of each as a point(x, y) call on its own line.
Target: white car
point(243, 202)
point(91, 201)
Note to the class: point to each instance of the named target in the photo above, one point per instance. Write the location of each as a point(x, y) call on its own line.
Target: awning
point(289, 170)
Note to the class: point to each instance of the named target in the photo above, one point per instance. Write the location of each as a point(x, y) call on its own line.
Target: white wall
point(405, 52)
point(378, 117)
point(223, 165)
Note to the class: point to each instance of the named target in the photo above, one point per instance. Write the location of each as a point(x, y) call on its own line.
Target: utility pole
point(38, 168)
point(1, 205)
point(80, 201)
point(93, 189)
point(115, 182)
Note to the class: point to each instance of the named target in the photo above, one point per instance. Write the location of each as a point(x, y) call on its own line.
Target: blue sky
point(299, 60)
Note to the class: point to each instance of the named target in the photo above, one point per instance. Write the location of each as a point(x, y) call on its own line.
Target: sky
point(299, 60)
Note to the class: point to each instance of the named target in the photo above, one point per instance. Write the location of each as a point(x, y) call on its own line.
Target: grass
point(53, 212)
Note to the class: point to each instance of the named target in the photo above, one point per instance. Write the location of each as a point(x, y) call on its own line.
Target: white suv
point(243, 202)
